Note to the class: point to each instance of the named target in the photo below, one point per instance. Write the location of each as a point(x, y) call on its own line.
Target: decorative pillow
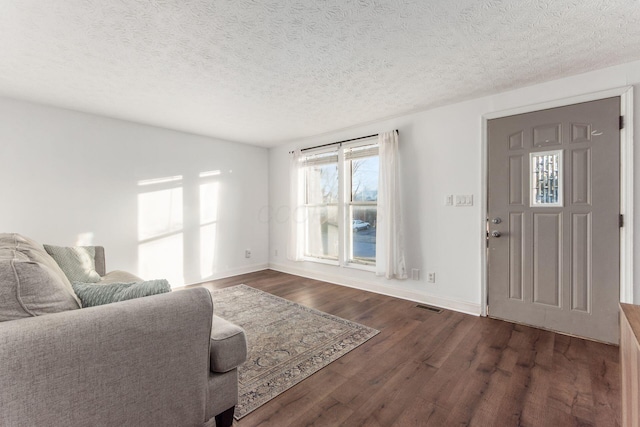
point(31, 283)
point(92, 294)
point(78, 263)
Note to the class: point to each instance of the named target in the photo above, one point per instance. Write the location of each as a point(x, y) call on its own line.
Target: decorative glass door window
point(546, 178)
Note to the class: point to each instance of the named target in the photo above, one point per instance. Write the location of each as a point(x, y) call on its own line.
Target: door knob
point(496, 220)
point(495, 234)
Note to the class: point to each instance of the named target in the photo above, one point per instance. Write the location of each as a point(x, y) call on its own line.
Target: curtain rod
point(341, 142)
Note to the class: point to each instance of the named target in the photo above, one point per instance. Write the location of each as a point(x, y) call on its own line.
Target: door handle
point(495, 233)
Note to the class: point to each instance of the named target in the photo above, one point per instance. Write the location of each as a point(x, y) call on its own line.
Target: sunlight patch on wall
point(85, 239)
point(159, 213)
point(162, 259)
point(168, 230)
point(209, 173)
point(163, 180)
point(209, 196)
point(209, 202)
point(207, 250)
point(160, 232)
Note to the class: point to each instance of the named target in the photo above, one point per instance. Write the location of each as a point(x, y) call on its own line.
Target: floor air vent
point(430, 308)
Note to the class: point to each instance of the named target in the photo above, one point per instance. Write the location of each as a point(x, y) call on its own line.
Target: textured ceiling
point(268, 71)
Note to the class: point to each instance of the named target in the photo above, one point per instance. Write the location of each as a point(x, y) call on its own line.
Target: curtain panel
point(390, 258)
point(296, 218)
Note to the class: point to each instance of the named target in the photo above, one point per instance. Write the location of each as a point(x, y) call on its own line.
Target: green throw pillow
point(92, 294)
point(78, 263)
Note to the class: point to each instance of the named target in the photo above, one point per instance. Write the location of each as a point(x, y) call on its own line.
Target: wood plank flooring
point(430, 369)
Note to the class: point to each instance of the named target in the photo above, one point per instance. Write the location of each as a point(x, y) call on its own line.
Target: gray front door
point(553, 219)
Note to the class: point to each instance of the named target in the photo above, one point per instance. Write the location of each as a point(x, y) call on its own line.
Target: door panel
point(516, 261)
point(581, 179)
point(580, 132)
point(547, 261)
point(581, 262)
point(546, 135)
point(516, 141)
point(516, 183)
point(554, 181)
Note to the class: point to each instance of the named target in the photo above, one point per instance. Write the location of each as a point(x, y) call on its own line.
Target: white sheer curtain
point(390, 261)
point(295, 247)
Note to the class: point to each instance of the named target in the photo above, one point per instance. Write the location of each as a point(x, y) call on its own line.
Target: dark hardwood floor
point(447, 369)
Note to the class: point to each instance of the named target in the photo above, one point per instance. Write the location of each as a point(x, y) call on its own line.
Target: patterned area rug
point(287, 341)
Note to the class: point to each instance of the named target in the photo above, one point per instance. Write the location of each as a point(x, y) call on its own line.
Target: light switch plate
point(464, 200)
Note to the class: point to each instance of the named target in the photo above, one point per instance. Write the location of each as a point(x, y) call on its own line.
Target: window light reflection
point(209, 195)
point(207, 250)
point(209, 202)
point(85, 239)
point(160, 235)
point(209, 173)
point(159, 213)
point(166, 230)
point(160, 180)
point(162, 259)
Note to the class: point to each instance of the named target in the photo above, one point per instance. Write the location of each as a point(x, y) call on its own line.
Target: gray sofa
point(162, 360)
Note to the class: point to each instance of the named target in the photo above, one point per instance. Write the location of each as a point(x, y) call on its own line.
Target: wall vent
point(430, 308)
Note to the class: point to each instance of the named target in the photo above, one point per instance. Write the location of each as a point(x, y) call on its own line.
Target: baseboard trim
point(455, 305)
point(231, 273)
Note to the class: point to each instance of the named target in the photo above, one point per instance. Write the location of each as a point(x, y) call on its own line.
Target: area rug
point(287, 341)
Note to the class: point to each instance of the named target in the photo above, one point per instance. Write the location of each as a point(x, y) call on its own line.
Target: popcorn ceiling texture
point(268, 71)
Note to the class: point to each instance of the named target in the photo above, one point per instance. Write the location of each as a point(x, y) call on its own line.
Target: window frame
point(307, 206)
point(350, 260)
point(344, 205)
point(559, 181)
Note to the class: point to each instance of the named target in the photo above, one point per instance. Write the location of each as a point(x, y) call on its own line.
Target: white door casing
point(542, 289)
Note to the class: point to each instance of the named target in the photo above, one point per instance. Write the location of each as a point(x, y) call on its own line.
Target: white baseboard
point(450, 304)
point(231, 273)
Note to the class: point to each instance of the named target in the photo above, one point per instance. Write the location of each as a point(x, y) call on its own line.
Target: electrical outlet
point(275, 252)
point(247, 253)
point(431, 277)
point(415, 274)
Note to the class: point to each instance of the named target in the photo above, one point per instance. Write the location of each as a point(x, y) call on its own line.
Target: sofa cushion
point(228, 346)
point(119, 276)
point(78, 263)
point(31, 283)
point(93, 294)
point(34, 251)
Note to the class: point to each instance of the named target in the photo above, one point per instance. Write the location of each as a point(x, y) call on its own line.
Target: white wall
point(69, 178)
point(440, 154)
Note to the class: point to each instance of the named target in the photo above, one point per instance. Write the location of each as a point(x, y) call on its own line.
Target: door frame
point(626, 182)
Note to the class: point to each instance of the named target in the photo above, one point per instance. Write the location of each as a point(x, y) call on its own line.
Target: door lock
point(495, 233)
point(496, 220)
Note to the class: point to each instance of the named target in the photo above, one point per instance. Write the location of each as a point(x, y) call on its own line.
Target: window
point(362, 166)
point(546, 178)
point(340, 202)
point(321, 192)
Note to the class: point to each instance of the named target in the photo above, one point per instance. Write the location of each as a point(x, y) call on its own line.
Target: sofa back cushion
point(31, 283)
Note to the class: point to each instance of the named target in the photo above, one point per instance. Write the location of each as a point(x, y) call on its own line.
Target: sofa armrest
point(140, 362)
point(101, 266)
point(228, 345)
